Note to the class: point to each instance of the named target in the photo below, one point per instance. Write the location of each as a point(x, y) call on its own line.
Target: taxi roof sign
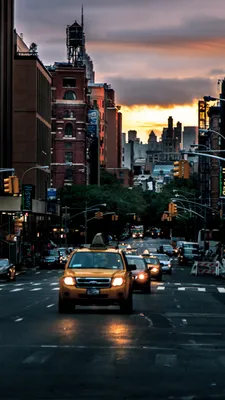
point(98, 242)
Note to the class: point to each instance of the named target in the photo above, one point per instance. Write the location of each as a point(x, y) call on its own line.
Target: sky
point(160, 56)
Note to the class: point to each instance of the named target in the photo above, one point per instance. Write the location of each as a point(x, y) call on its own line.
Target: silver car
point(165, 262)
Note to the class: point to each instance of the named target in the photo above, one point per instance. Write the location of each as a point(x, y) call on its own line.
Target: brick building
point(69, 120)
point(6, 81)
point(31, 118)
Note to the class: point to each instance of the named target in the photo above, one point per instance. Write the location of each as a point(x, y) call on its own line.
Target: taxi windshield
point(82, 260)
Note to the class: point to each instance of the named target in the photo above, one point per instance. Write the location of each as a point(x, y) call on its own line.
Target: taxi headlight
point(155, 269)
point(117, 282)
point(69, 281)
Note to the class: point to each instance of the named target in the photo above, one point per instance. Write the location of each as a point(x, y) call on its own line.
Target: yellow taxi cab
point(153, 265)
point(96, 275)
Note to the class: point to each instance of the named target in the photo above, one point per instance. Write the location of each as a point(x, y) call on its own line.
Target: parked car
point(7, 270)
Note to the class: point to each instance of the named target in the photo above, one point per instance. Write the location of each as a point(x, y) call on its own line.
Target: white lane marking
point(50, 305)
point(54, 283)
point(56, 288)
point(184, 321)
point(200, 334)
point(178, 306)
point(182, 289)
point(36, 284)
point(166, 360)
point(38, 357)
point(18, 319)
point(160, 283)
point(16, 290)
point(149, 321)
point(221, 289)
point(37, 273)
point(201, 289)
point(161, 288)
point(49, 272)
point(177, 284)
point(18, 284)
point(35, 289)
point(182, 269)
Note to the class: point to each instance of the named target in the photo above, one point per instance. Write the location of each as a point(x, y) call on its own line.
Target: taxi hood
point(94, 273)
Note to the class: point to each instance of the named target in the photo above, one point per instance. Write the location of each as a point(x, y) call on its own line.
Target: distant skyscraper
point(170, 128)
point(178, 132)
point(190, 136)
point(132, 135)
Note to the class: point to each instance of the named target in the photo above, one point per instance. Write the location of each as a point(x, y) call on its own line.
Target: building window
point(68, 145)
point(68, 157)
point(69, 174)
point(95, 103)
point(66, 114)
point(69, 130)
point(121, 173)
point(69, 95)
point(103, 104)
point(69, 82)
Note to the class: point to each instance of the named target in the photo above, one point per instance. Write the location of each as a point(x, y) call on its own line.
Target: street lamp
point(44, 168)
point(202, 131)
point(212, 98)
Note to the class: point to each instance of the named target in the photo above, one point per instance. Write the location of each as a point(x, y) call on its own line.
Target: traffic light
point(8, 188)
point(18, 225)
point(186, 170)
point(115, 217)
point(174, 212)
point(178, 169)
point(15, 185)
point(134, 217)
point(99, 215)
point(172, 209)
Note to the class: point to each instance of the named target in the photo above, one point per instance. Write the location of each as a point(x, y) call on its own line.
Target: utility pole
point(65, 225)
point(85, 223)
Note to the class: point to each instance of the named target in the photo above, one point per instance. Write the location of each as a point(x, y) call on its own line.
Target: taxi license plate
point(93, 292)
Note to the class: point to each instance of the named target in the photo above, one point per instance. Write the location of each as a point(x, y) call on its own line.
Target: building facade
point(69, 121)
point(31, 119)
point(6, 81)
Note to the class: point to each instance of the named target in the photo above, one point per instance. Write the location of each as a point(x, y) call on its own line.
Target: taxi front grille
point(99, 283)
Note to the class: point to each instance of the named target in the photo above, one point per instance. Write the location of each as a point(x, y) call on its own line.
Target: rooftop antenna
point(82, 16)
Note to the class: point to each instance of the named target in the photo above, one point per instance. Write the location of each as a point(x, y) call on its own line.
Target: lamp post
point(44, 168)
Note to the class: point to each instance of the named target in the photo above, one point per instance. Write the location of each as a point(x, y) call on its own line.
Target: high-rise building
point(189, 137)
point(98, 100)
point(69, 120)
point(6, 81)
point(132, 135)
point(178, 132)
point(32, 119)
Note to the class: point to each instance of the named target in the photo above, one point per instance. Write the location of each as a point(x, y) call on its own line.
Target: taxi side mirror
point(131, 267)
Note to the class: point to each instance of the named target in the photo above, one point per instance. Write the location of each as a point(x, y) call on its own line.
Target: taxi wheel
point(126, 307)
point(65, 307)
point(147, 289)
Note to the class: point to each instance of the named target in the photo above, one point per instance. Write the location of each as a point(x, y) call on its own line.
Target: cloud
point(160, 92)
point(217, 72)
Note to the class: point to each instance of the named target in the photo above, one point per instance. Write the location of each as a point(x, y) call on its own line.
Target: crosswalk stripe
point(16, 290)
point(221, 289)
point(161, 288)
point(201, 289)
point(182, 289)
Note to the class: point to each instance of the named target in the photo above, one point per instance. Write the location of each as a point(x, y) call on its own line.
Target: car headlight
point(155, 269)
point(169, 265)
point(117, 282)
point(69, 281)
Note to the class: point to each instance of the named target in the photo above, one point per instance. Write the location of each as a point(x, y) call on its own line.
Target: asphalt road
point(172, 347)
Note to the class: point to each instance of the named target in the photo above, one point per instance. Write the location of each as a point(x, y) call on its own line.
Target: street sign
point(66, 216)
point(27, 196)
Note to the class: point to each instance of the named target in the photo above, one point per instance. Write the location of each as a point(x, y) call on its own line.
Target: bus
point(137, 231)
point(210, 236)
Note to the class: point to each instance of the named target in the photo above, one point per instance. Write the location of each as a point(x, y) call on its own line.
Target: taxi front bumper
point(88, 296)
